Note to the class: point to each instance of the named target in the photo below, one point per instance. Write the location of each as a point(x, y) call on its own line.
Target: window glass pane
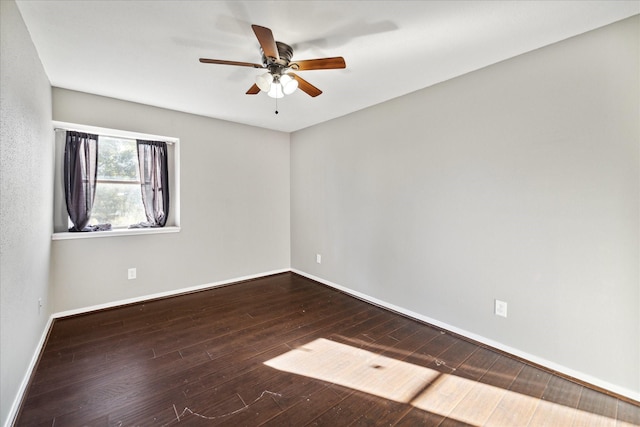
point(118, 198)
point(118, 204)
point(117, 159)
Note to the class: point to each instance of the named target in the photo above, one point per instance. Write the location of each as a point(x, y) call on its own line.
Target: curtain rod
point(110, 136)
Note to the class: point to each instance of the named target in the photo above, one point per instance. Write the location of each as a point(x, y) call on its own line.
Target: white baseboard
point(13, 412)
point(170, 293)
point(486, 341)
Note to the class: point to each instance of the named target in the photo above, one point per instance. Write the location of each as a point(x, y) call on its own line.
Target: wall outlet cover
point(500, 308)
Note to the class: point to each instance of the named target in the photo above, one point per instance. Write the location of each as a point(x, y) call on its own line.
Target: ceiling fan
point(276, 59)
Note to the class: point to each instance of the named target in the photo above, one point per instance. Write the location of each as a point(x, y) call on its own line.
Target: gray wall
point(517, 182)
point(26, 188)
point(234, 209)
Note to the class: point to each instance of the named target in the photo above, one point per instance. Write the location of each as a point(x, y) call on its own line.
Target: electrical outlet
point(319, 258)
point(131, 273)
point(500, 308)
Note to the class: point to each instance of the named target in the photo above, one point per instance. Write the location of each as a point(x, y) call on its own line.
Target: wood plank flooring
point(286, 351)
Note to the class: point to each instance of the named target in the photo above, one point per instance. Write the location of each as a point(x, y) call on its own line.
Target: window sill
point(114, 233)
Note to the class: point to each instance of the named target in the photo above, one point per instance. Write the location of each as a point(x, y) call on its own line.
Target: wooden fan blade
point(253, 90)
point(220, 61)
point(306, 87)
point(267, 42)
point(319, 64)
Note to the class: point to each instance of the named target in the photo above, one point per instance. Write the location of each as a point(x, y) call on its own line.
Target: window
point(118, 197)
point(118, 201)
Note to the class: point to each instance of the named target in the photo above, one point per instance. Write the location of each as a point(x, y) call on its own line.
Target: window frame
point(60, 215)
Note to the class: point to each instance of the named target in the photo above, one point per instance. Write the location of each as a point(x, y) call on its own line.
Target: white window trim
point(66, 235)
point(175, 196)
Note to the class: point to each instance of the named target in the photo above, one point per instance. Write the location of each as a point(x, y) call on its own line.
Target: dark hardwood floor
point(286, 351)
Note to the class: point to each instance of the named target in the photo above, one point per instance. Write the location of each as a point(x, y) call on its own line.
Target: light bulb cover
point(289, 84)
point(276, 91)
point(263, 81)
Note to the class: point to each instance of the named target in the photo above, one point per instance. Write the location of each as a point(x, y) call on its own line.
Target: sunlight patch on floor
point(465, 400)
point(357, 369)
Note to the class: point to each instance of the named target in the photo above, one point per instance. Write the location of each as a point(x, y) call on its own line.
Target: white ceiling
point(147, 51)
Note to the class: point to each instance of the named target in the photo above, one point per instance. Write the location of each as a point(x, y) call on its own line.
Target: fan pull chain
point(276, 99)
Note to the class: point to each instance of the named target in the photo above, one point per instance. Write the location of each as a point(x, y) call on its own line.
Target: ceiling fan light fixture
point(263, 81)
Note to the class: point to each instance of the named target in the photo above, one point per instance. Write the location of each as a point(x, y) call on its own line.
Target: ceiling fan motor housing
point(277, 66)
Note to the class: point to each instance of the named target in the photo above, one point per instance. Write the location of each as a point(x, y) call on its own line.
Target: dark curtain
point(154, 179)
point(80, 172)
